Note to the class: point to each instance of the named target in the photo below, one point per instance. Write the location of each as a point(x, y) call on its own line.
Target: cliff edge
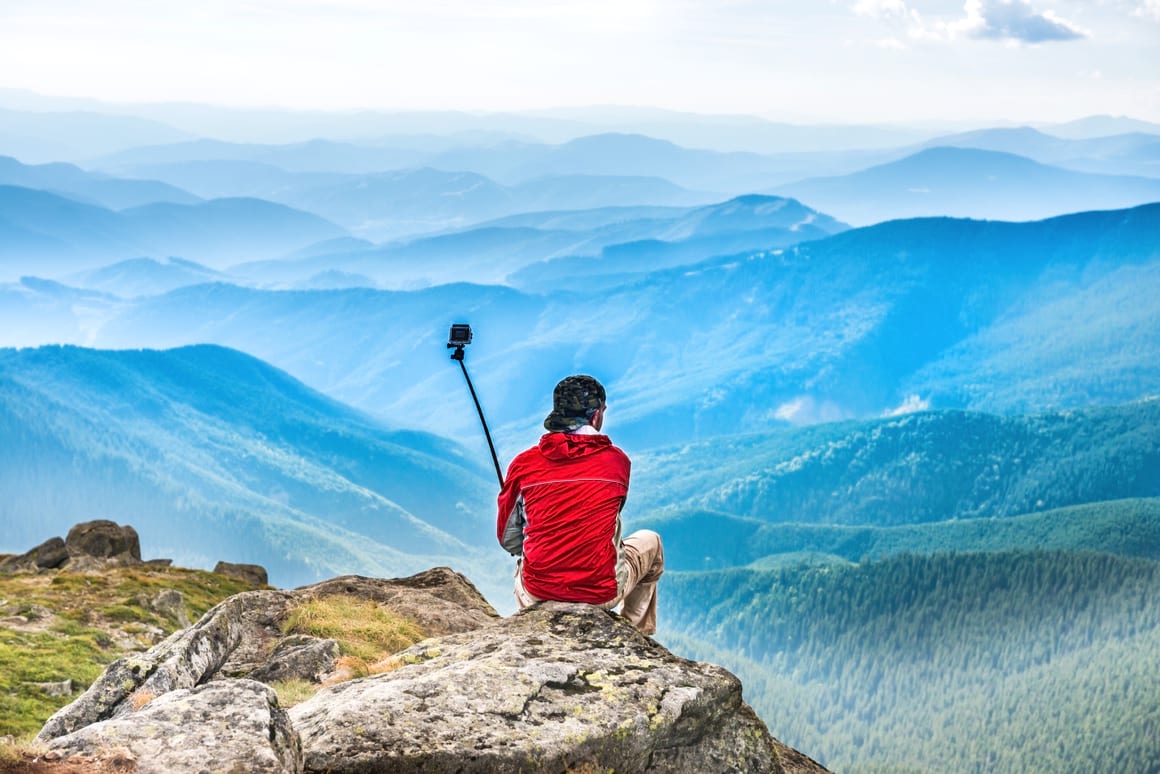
point(556, 688)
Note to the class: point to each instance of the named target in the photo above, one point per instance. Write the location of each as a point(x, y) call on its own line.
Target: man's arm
point(511, 519)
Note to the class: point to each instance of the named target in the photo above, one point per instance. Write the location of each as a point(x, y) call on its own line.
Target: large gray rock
point(253, 574)
point(228, 726)
point(237, 637)
point(185, 659)
point(555, 688)
point(299, 657)
point(104, 539)
point(50, 554)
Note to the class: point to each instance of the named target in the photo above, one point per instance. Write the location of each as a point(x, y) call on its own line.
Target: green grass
point(76, 642)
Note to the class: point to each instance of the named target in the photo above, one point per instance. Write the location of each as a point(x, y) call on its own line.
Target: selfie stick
point(460, 339)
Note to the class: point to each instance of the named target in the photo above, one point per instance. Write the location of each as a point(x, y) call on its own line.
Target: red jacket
point(561, 504)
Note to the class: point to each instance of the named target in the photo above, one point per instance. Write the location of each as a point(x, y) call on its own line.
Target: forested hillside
point(917, 468)
point(970, 662)
point(215, 455)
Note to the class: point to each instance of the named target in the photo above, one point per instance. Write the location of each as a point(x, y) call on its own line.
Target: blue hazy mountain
point(848, 326)
point(745, 223)
point(50, 235)
point(213, 178)
point(1102, 126)
point(39, 136)
point(94, 188)
point(962, 182)
point(618, 155)
point(47, 234)
point(547, 249)
point(391, 204)
point(145, 277)
point(316, 155)
point(1135, 154)
point(213, 455)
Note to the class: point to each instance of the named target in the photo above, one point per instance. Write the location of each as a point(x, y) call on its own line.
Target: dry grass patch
point(365, 630)
point(140, 697)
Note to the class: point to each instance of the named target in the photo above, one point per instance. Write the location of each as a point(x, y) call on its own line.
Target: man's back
point(571, 488)
point(559, 510)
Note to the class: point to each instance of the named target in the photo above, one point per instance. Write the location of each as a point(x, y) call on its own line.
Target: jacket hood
point(568, 446)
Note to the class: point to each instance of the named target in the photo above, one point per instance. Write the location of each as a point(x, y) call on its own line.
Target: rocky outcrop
point(253, 574)
point(556, 688)
point(238, 637)
point(104, 539)
point(91, 546)
point(50, 554)
point(233, 725)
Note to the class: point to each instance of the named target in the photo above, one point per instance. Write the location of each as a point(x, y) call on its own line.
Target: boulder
point(253, 574)
point(50, 554)
point(104, 539)
point(558, 687)
point(167, 602)
point(233, 725)
point(298, 657)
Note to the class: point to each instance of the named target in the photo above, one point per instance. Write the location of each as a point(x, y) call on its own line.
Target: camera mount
point(458, 339)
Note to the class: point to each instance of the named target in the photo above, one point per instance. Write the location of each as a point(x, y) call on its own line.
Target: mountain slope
point(546, 250)
point(1121, 154)
point(970, 183)
point(145, 277)
point(917, 468)
point(50, 235)
point(72, 181)
point(214, 455)
point(44, 135)
point(1014, 661)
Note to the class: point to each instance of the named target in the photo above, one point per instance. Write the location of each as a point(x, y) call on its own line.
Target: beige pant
point(642, 562)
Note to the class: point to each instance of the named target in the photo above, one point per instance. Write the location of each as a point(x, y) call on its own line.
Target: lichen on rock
point(549, 689)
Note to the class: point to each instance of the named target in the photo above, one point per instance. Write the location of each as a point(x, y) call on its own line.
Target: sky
point(835, 60)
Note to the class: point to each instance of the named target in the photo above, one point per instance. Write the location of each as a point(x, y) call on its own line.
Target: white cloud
point(881, 8)
point(1014, 20)
point(899, 15)
point(912, 404)
point(1148, 9)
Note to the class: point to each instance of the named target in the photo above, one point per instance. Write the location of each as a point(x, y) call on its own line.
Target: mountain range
point(104, 190)
point(549, 249)
point(49, 235)
point(897, 316)
point(967, 182)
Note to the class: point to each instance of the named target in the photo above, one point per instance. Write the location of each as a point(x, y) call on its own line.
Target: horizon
point(873, 62)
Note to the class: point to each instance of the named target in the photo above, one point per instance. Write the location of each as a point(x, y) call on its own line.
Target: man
point(560, 508)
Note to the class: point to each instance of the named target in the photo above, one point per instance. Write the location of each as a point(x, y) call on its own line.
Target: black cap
point(574, 401)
